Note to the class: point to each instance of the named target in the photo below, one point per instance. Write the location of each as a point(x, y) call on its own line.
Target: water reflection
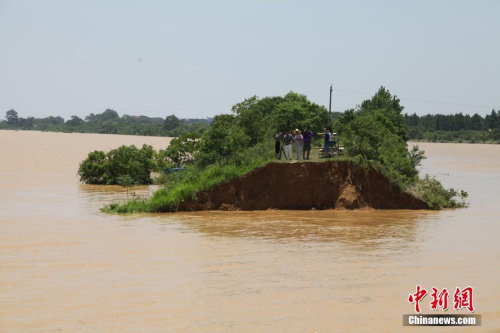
point(364, 229)
point(105, 194)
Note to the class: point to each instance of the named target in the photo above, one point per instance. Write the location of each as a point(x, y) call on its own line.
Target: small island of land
point(233, 166)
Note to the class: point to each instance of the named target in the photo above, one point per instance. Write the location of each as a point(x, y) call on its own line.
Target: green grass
point(195, 180)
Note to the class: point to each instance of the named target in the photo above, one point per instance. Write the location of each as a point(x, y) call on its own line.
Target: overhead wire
point(204, 104)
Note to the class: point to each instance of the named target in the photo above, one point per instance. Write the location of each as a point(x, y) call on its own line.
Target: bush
point(93, 170)
point(221, 142)
point(101, 168)
point(434, 194)
point(181, 150)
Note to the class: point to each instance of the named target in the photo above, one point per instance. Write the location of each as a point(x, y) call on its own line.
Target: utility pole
point(331, 89)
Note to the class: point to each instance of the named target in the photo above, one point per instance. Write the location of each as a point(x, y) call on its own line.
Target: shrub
point(101, 168)
point(93, 169)
point(434, 194)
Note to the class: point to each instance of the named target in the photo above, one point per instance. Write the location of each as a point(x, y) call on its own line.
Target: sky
point(196, 59)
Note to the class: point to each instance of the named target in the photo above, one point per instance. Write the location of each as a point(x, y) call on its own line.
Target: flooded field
point(67, 267)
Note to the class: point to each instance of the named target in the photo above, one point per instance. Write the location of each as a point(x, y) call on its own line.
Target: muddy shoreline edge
point(340, 185)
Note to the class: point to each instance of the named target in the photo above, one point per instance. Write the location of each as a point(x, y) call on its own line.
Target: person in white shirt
point(299, 141)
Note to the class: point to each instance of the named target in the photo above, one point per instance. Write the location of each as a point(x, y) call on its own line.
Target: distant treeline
point(454, 128)
point(436, 128)
point(108, 122)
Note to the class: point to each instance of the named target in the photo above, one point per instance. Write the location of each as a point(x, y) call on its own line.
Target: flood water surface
point(67, 267)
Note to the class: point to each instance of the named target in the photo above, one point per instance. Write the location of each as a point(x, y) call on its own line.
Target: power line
point(200, 105)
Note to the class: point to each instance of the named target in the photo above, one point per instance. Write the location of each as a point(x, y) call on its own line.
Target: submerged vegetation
point(110, 168)
point(374, 134)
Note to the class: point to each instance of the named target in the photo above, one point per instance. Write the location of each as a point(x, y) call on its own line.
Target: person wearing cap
point(287, 140)
point(299, 139)
point(308, 134)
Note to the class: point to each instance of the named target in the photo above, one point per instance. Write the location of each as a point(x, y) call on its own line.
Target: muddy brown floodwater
point(67, 267)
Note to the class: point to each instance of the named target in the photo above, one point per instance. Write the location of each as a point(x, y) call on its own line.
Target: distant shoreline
point(458, 142)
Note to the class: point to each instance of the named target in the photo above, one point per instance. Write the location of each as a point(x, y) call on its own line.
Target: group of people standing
point(302, 143)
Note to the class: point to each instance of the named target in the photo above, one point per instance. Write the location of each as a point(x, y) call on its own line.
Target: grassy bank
point(195, 180)
point(186, 186)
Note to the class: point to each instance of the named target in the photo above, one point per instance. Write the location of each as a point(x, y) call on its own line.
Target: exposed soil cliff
point(319, 185)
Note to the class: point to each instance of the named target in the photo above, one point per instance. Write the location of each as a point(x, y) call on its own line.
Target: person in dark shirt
point(327, 135)
point(287, 139)
point(308, 134)
point(277, 145)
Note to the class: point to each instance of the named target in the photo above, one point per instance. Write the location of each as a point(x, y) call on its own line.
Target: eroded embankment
point(319, 185)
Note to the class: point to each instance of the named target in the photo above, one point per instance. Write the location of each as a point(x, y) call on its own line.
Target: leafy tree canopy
point(11, 117)
point(107, 169)
point(376, 132)
point(171, 122)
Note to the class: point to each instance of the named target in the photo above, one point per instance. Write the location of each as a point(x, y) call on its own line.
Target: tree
point(92, 170)
point(12, 117)
point(26, 123)
point(127, 182)
point(181, 150)
point(492, 120)
point(260, 118)
point(101, 168)
point(221, 141)
point(296, 111)
point(109, 115)
point(391, 107)
point(171, 122)
point(253, 116)
point(373, 133)
point(74, 121)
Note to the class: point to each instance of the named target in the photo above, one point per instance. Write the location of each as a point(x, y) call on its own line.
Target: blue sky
point(197, 58)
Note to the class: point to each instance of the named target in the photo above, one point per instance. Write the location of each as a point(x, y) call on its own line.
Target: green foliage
point(108, 122)
point(223, 140)
point(260, 118)
point(93, 170)
point(181, 150)
point(101, 168)
point(170, 180)
point(375, 135)
point(390, 106)
point(431, 191)
point(253, 114)
point(12, 117)
point(195, 180)
point(416, 156)
point(455, 128)
point(126, 181)
point(297, 112)
point(171, 122)
point(74, 121)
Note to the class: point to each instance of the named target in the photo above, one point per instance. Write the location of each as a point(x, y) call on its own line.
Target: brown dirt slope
point(319, 185)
